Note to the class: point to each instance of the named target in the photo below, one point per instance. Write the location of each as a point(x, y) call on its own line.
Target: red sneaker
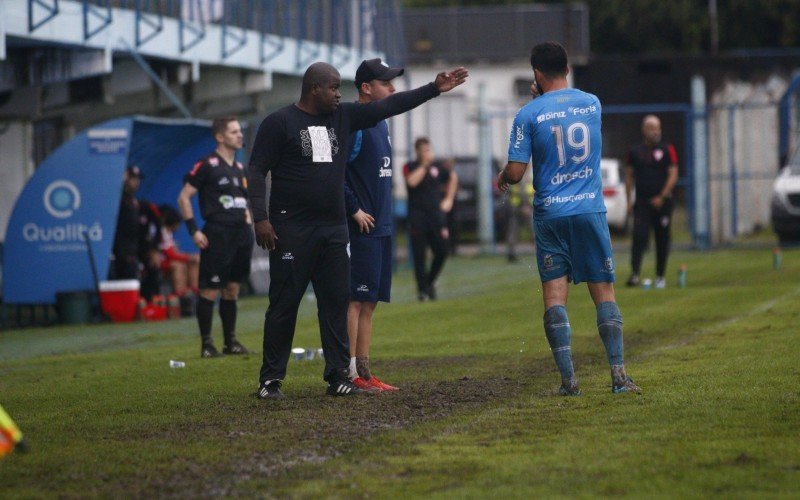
point(384, 387)
point(366, 384)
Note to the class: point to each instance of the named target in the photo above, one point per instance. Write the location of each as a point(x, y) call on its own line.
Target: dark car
point(466, 206)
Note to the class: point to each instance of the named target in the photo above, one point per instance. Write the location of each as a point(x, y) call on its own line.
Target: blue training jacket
point(368, 178)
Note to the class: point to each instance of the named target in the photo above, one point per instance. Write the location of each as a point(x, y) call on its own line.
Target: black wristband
point(191, 225)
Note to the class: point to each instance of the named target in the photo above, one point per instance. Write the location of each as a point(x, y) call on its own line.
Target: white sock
point(353, 373)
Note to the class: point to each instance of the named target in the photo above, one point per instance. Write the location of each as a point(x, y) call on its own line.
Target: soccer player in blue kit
point(368, 200)
point(559, 130)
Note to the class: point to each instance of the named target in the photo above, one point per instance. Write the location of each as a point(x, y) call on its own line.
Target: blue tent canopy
point(76, 192)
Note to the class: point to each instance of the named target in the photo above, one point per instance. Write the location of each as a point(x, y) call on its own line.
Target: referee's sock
point(609, 324)
point(558, 331)
point(227, 313)
point(205, 316)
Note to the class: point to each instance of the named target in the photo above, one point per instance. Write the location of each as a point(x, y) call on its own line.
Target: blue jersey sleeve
point(519, 144)
point(356, 146)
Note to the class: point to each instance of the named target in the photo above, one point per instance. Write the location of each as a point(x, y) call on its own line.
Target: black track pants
point(645, 217)
point(307, 253)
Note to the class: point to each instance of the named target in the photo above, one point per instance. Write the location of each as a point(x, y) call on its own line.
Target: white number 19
point(578, 141)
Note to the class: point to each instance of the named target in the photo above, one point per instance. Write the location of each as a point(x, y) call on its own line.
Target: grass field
point(477, 414)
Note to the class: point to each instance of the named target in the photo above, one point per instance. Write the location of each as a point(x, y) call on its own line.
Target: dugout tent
point(76, 192)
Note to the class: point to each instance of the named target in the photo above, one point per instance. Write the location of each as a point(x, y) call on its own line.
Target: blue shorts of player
point(370, 268)
point(577, 246)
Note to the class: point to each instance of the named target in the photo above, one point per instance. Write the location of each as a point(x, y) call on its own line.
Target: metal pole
point(485, 175)
point(700, 202)
point(732, 165)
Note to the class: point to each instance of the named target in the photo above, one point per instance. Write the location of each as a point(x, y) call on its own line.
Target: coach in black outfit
point(653, 168)
point(226, 240)
point(431, 194)
point(304, 146)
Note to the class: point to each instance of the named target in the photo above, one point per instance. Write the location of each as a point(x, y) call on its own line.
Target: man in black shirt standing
point(226, 240)
point(427, 214)
point(653, 167)
point(304, 147)
point(126, 238)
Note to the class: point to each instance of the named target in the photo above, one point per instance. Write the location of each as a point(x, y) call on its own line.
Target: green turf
point(477, 414)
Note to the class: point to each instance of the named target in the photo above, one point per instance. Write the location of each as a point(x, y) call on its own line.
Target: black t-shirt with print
point(427, 195)
point(307, 155)
point(651, 168)
point(222, 189)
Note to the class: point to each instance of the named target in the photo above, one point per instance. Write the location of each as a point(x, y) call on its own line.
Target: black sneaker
point(432, 292)
point(344, 387)
point(209, 351)
point(271, 389)
point(633, 280)
point(421, 296)
point(234, 347)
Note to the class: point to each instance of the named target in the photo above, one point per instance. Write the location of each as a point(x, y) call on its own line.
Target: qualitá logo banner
point(70, 202)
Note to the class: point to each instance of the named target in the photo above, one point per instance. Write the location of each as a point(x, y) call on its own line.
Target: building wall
point(16, 139)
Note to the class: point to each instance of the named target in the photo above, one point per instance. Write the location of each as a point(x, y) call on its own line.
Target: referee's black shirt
point(307, 155)
point(222, 189)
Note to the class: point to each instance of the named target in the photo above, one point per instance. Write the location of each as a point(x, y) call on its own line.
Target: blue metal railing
point(360, 24)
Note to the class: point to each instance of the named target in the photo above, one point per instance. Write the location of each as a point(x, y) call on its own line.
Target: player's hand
point(364, 220)
point(534, 91)
point(657, 202)
point(445, 233)
point(449, 80)
point(200, 240)
point(265, 234)
point(446, 205)
point(502, 182)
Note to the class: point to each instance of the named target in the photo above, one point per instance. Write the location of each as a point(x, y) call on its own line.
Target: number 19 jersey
point(560, 132)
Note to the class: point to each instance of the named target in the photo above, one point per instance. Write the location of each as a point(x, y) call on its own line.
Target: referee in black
point(226, 240)
point(304, 146)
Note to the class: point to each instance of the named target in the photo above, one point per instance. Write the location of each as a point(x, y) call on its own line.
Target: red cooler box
point(119, 299)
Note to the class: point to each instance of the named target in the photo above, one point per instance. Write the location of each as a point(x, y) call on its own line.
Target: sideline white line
point(760, 309)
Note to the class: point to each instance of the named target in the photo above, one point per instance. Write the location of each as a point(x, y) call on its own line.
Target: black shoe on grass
point(209, 351)
point(344, 387)
point(234, 347)
point(271, 389)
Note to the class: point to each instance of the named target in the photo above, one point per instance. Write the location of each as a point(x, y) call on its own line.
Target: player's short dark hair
point(169, 215)
point(421, 141)
point(550, 58)
point(220, 125)
point(319, 73)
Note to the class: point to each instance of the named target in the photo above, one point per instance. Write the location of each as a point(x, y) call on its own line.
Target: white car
point(614, 194)
point(785, 209)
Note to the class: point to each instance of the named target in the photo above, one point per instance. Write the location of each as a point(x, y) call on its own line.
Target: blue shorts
point(578, 247)
point(370, 268)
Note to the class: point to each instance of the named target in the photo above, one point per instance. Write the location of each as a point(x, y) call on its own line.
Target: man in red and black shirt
point(653, 169)
point(226, 240)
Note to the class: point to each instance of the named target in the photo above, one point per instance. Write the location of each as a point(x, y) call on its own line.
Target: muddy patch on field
point(308, 427)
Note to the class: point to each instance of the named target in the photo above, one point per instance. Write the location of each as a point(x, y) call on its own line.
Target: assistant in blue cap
point(368, 200)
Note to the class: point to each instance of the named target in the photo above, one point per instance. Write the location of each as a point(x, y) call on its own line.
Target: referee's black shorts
point(226, 259)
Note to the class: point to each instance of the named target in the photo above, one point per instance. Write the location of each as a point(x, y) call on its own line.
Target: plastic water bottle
point(682, 276)
point(176, 364)
point(647, 283)
point(776, 258)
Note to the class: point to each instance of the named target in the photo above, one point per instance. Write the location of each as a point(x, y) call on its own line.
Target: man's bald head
point(651, 129)
point(320, 74)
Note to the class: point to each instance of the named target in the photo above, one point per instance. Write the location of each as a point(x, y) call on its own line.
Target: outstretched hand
point(448, 80)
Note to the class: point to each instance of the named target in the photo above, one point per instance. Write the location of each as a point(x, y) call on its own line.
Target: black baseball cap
point(375, 69)
point(135, 171)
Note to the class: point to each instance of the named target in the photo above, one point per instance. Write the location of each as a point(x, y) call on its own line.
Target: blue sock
point(557, 329)
point(609, 324)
